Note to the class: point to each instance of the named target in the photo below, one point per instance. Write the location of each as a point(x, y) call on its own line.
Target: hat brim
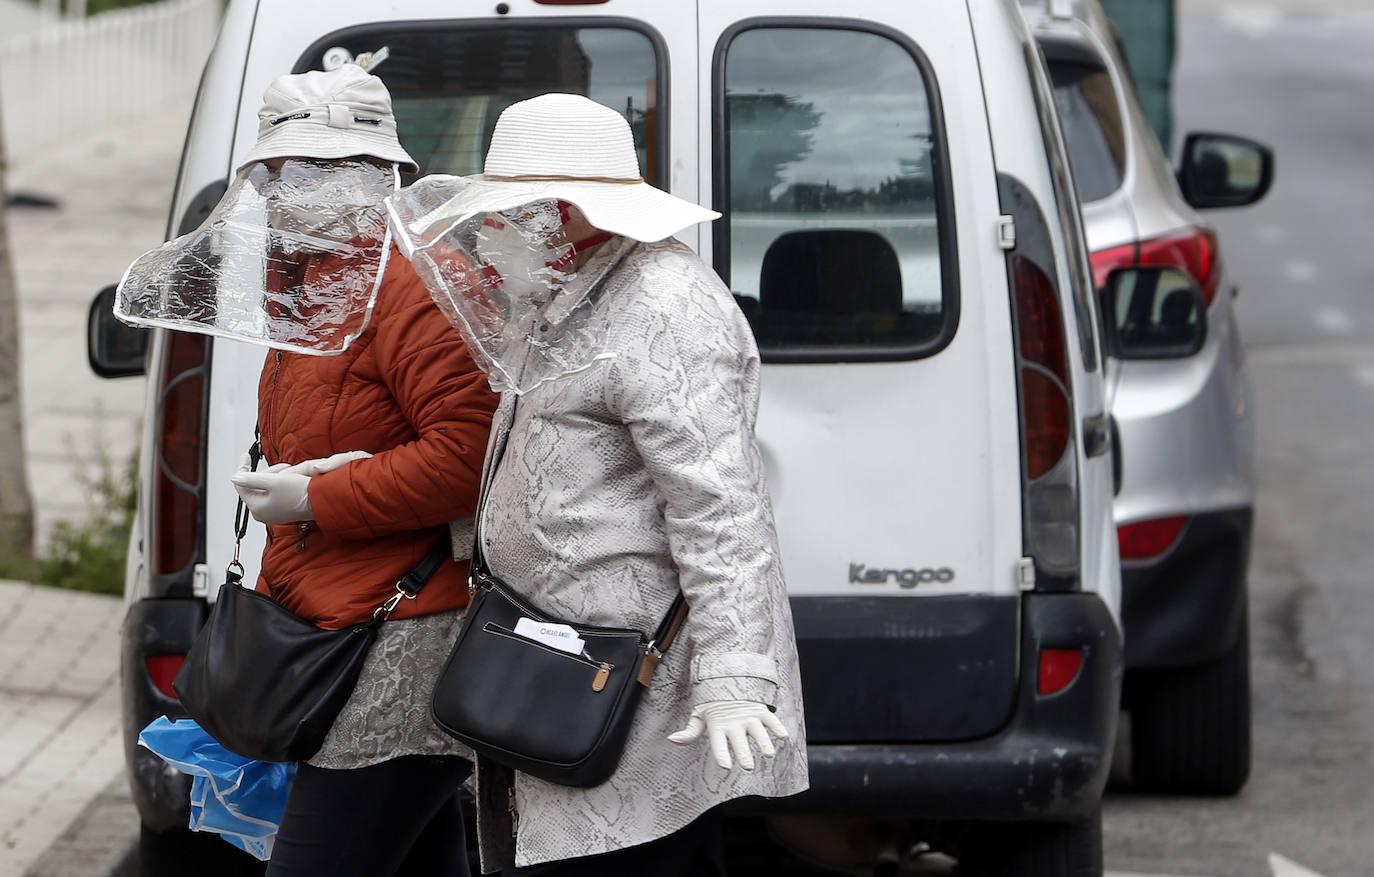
point(635, 210)
point(319, 141)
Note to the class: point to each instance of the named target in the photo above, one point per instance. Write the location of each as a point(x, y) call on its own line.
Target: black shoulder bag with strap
point(268, 684)
point(559, 715)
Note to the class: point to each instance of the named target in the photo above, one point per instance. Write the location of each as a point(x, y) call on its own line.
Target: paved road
point(1299, 76)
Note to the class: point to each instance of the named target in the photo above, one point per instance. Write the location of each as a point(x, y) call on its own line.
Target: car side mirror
point(1152, 312)
point(1221, 170)
point(114, 349)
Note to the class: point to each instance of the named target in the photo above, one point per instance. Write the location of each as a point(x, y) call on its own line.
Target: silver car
point(1180, 402)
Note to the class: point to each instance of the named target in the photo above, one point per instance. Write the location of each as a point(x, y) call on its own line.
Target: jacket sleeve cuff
point(735, 676)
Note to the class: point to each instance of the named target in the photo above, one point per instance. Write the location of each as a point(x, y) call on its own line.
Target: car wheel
point(1190, 726)
point(1035, 849)
point(193, 852)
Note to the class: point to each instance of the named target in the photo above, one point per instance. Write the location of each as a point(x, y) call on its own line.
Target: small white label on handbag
point(559, 636)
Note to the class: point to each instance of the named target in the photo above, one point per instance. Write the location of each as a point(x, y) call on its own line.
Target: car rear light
point(1108, 260)
point(180, 451)
point(1040, 335)
point(162, 669)
point(1058, 668)
point(1051, 488)
point(1146, 539)
point(1193, 250)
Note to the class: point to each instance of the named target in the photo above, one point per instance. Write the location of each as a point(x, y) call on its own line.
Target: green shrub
point(89, 555)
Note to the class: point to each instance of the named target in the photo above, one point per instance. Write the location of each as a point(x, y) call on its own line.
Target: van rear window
point(837, 239)
point(449, 81)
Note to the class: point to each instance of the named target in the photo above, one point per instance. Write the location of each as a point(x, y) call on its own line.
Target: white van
point(901, 228)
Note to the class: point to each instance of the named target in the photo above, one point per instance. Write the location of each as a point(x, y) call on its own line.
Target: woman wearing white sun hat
point(630, 473)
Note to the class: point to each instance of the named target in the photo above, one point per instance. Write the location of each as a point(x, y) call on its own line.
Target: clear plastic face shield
point(509, 281)
point(291, 258)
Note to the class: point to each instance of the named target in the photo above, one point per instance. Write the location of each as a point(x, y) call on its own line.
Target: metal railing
point(76, 75)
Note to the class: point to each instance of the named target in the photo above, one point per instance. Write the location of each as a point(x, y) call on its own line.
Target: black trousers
point(400, 818)
point(696, 850)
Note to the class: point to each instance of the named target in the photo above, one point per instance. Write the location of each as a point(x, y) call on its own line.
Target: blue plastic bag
point(237, 798)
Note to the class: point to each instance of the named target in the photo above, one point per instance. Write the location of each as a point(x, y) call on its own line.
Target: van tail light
point(1051, 473)
point(1040, 335)
point(1145, 539)
point(179, 455)
point(1058, 669)
point(1193, 250)
point(162, 669)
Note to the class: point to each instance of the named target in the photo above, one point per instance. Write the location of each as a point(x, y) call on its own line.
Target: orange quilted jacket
point(408, 392)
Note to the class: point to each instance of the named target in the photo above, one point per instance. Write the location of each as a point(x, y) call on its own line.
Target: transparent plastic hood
point(291, 258)
point(510, 281)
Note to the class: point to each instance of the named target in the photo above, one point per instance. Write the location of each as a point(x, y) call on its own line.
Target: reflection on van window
point(448, 83)
point(833, 228)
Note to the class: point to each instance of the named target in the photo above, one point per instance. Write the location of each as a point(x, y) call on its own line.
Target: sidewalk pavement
point(60, 739)
point(113, 187)
point(61, 747)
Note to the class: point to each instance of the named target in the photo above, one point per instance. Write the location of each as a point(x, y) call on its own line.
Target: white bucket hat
point(333, 114)
point(570, 148)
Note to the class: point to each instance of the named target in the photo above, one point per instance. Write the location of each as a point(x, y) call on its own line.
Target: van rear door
point(851, 159)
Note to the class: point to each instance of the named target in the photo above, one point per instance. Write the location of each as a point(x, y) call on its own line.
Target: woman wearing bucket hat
point(623, 470)
point(374, 448)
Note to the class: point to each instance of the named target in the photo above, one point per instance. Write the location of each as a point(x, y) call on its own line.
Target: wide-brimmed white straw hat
point(570, 148)
point(332, 114)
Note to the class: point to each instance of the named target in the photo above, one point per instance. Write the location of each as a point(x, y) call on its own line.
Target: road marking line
point(1334, 320)
point(1253, 21)
point(1364, 374)
point(1300, 271)
point(1288, 868)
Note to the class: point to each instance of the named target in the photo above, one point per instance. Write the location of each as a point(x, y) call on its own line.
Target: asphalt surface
point(1297, 74)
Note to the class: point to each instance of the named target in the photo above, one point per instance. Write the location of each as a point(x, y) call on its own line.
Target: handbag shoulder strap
point(233, 573)
point(408, 586)
point(667, 628)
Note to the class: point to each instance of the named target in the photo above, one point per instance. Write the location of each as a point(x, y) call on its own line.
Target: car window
point(1091, 117)
point(449, 82)
point(1066, 202)
point(834, 193)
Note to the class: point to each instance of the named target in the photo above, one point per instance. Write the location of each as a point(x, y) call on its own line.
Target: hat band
point(559, 178)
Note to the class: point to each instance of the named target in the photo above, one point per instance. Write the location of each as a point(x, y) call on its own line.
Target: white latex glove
point(326, 464)
point(275, 496)
point(731, 724)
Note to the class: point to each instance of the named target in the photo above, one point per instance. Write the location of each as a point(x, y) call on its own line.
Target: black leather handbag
point(558, 716)
point(268, 684)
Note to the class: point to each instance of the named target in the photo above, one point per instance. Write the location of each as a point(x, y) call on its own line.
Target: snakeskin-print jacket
point(618, 486)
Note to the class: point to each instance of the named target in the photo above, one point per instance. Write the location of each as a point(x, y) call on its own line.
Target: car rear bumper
point(1047, 761)
point(1186, 606)
point(154, 628)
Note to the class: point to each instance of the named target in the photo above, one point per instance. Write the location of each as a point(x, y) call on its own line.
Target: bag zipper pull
point(300, 543)
point(602, 674)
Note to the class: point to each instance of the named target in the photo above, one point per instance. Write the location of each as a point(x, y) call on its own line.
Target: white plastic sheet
point(291, 258)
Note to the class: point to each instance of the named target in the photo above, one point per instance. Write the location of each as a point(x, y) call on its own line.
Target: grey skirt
point(388, 714)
